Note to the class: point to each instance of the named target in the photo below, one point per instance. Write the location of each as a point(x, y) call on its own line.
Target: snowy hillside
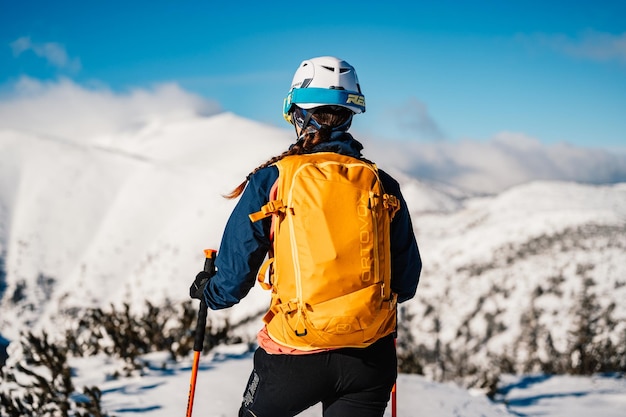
point(222, 379)
point(223, 375)
point(513, 279)
point(123, 217)
point(87, 223)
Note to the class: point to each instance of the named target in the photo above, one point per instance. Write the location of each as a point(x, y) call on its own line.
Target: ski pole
point(394, 400)
point(198, 345)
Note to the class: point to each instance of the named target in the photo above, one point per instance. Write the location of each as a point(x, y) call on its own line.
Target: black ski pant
point(349, 382)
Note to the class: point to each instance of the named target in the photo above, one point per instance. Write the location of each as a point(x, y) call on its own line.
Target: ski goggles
point(323, 97)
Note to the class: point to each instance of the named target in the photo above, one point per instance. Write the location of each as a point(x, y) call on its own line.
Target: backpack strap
point(273, 208)
point(263, 271)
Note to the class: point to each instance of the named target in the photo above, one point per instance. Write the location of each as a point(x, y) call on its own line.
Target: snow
point(566, 395)
point(119, 209)
point(222, 375)
point(141, 212)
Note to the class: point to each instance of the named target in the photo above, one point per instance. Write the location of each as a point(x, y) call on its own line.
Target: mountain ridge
point(124, 218)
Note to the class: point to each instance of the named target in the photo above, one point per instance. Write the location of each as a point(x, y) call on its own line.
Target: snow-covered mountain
point(511, 281)
point(124, 217)
point(117, 221)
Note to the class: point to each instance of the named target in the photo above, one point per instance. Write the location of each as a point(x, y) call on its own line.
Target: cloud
point(415, 117)
point(54, 53)
point(505, 160)
point(592, 45)
point(74, 112)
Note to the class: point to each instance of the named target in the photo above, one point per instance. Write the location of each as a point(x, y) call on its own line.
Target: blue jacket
point(245, 243)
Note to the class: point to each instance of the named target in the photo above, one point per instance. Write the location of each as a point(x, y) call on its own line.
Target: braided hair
point(327, 117)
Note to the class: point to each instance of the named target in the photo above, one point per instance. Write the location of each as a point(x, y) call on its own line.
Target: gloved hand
point(197, 288)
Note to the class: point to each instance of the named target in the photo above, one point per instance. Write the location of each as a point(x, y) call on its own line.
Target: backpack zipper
point(292, 235)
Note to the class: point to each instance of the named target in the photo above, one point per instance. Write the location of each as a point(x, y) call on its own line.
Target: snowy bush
point(40, 384)
point(37, 380)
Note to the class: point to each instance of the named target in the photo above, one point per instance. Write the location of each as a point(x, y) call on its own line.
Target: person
point(348, 381)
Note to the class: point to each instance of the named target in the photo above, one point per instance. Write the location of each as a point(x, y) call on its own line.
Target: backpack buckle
point(391, 203)
point(272, 207)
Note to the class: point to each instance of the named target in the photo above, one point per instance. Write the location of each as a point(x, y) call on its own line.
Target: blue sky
point(430, 71)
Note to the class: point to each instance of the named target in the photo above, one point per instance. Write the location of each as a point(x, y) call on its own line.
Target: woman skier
point(351, 379)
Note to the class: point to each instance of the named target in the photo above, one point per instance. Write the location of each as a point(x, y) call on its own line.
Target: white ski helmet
point(324, 81)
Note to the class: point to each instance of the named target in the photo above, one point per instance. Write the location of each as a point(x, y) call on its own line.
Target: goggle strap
point(308, 119)
point(324, 97)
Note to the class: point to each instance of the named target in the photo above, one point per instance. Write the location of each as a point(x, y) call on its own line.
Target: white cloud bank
point(68, 111)
point(506, 160)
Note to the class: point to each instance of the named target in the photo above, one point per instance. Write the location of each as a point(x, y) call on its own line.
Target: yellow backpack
point(330, 266)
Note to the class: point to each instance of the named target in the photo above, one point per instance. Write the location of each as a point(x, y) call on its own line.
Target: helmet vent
point(328, 68)
point(342, 70)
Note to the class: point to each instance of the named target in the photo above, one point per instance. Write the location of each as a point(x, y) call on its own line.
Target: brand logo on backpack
point(365, 239)
point(330, 259)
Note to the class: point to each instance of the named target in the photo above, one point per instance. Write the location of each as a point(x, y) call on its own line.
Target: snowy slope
point(87, 224)
point(221, 382)
point(123, 216)
point(162, 392)
point(528, 252)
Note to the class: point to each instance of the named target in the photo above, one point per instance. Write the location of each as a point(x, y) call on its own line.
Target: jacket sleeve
point(244, 245)
point(406, 263)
